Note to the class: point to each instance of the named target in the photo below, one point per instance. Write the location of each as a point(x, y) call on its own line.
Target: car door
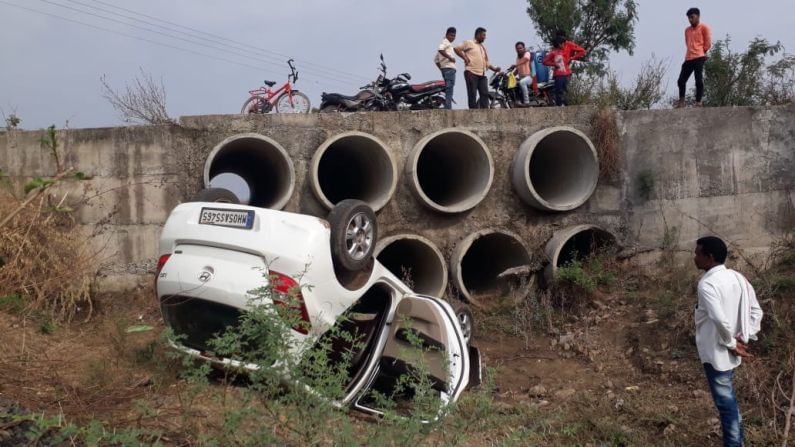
point(424, 363)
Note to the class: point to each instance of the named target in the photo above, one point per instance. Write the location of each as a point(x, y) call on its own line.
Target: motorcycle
point(402, 95)
point(368, 98)
point(506, 94)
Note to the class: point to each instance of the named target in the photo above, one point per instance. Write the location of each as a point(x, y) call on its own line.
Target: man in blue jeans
point(727, 316)
point(445, 60)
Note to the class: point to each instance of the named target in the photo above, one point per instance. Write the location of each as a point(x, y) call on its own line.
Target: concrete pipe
point(353, 165)
point(577, 242)
point(481, 257)
point(450, 170)
point(556, 169)
point(415, 260)
point(254, 167)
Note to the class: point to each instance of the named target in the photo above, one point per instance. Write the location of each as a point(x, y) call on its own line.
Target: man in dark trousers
point(559, 57)
point(476, 60)
point(727, 316)
point(698, 38)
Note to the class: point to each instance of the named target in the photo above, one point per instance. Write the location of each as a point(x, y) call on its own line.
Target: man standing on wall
point(727, 316)
point(698, 38)
point(476, 59)
point(446, 62)
point(524, 72)
point(559, 57)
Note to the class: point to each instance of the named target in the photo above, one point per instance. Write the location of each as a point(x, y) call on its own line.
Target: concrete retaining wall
point(728, 171)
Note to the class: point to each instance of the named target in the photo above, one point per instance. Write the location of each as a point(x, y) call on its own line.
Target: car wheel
point(354, 232)
point(466, 319)
point(216, 195)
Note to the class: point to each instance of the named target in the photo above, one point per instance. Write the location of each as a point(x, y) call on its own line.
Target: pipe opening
point(452, 170)
point(482, 258)
point(575, 243)
point(556, 169)
point(584, 244)
point(353, 165)
point(257, 169)
point(416, 261)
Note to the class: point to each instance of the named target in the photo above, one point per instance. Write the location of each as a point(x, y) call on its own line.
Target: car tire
point(354, 232)
point(466, 319)
point(216, 195)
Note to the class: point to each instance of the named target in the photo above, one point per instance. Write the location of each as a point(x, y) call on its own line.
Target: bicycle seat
point(270, 83)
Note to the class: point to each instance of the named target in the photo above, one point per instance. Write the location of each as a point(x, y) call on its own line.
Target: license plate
point(227, 218)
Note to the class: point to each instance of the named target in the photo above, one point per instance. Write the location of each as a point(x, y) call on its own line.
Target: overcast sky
point(51, 67)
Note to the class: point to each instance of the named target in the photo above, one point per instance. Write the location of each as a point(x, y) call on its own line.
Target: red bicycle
point(284, 100)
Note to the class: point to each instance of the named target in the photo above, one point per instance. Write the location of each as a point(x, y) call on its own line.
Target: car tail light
point(161, 263)
point(287, 295)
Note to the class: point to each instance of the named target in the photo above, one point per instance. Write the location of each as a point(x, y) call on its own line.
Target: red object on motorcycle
point(417, 88)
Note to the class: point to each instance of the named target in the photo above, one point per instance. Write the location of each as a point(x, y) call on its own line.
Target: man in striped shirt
point(698, 38)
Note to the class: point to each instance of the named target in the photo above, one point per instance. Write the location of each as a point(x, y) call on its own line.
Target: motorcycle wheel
point(498, 103)
point(255, 105)
point(331, 108)
point(436, 102)
point(300, 103)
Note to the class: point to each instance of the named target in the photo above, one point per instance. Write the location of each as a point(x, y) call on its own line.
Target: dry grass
point(606, 138)
point(44, 260)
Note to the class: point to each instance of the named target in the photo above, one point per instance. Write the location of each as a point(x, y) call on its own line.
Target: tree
point(11, 121)
point(744, 79)
point(143, 101)
point(599, 26)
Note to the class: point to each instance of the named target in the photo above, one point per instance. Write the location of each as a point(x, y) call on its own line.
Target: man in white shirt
point(727, 316)
point(445, 60)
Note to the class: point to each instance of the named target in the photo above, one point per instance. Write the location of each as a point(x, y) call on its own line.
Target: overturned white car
point(214, 253)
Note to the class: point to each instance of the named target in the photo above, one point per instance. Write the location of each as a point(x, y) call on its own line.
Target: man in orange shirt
point(698, 37)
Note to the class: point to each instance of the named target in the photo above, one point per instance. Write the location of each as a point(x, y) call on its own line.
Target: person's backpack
point(542, 71)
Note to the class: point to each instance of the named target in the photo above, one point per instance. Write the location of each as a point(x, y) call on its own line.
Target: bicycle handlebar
point(294, 74)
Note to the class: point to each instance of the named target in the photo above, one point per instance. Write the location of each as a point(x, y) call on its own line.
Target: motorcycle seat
point(270, 83)
point(416, 88)
point(543, 85)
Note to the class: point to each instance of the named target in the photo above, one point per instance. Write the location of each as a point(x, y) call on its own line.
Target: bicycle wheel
point(300, 103)
point(253, 105)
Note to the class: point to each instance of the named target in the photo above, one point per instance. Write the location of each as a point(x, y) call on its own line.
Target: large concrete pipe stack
point(449, 173)
point(440, 175)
